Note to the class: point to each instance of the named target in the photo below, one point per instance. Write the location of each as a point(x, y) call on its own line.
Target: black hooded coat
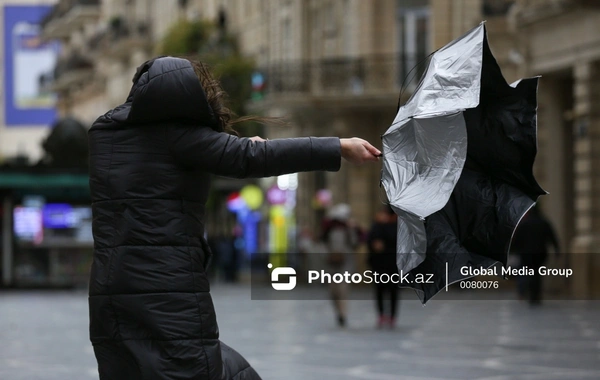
point(151, 158)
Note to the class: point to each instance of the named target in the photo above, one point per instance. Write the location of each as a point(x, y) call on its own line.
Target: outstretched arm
point(226, 155)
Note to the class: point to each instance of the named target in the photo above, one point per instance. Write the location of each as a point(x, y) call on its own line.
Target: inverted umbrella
point(458, 165)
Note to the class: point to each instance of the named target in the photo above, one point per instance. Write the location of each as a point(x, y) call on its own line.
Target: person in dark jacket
point(533, 236)
point(381, 243)
point(151, 313)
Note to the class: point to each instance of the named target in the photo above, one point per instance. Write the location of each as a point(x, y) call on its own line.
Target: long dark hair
point(217, 99)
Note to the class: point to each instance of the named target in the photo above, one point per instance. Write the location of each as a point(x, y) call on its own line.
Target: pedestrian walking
point(341, 238)
point(382, 259)
point(532, 238)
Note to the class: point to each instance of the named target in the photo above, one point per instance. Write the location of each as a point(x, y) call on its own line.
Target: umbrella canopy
point(458, 164)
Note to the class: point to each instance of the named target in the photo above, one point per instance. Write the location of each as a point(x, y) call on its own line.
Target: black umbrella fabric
point(458, 165)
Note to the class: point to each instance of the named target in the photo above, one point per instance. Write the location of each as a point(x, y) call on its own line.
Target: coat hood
point(166, 89)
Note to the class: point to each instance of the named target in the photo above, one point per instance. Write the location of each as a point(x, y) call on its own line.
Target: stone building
point(331, 67)
point(103, 42)
point(336, 67)
point(560, 40)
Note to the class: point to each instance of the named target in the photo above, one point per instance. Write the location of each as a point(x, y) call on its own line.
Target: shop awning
point(43, 181)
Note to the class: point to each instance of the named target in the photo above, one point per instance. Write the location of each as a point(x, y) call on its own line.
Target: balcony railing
point(351, 76)
point(70, 71)
point(492, 8)
point(531, 11)
point(68, 15)
point(120, 38)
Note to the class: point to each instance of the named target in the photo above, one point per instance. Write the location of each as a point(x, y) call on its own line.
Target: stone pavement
point(43, 335)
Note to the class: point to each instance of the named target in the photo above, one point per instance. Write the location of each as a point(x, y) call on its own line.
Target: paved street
point(43, 335)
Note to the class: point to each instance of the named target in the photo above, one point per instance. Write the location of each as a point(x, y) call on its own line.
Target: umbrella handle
point(383, 202)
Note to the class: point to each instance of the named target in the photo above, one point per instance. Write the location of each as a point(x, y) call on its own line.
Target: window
point(349, 27)
point(413, 27)
point(496, 7)
point(329, 27)
point(286, 39)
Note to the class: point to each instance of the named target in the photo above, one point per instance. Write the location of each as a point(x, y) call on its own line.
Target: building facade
point(333, 67)
point(103, 42)
point(560, 41)
point(337, 67)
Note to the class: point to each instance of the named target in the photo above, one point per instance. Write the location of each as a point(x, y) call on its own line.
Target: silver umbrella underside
point(458, 163)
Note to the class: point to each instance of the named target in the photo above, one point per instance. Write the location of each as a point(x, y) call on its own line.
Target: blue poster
point(28, 63)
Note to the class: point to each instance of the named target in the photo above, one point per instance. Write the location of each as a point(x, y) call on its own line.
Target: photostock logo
point(283, 271)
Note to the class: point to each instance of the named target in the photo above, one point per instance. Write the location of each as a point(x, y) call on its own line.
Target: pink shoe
point(382, 321)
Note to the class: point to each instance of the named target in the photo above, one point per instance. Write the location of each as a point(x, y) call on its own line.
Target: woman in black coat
point(151, 313)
